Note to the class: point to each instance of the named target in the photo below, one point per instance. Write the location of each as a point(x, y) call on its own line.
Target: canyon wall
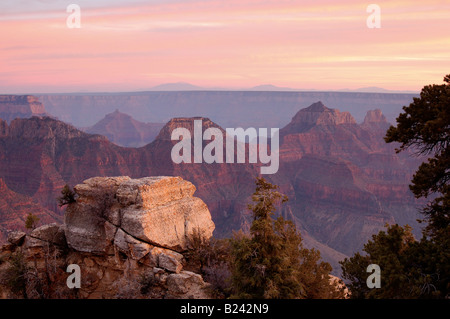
point(13, 106)
point(343, 181)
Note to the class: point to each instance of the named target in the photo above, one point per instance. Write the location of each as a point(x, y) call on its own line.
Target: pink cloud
point(303, 44)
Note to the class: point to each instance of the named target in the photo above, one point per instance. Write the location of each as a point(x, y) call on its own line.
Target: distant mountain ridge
point(229, 108)
point(374, 89)
point(178, 86)
point(184, 86)
point(270, 87)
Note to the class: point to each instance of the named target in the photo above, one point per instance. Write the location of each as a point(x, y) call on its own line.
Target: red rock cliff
point(12, 106)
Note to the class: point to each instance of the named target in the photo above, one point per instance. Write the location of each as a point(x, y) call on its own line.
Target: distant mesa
point(375, 89)
point(270, 87)
point(369, 89)
point(184, 86)
point(178, 86)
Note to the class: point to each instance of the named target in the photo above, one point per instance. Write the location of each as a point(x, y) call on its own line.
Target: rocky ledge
point(125, 234)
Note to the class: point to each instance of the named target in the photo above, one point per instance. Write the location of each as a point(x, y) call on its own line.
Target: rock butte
point(159, 211)
point(118, 230)
point(123, 130)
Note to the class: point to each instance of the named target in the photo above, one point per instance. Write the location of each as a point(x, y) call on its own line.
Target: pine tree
point(31, 221)
point(424, 128)
point(270, 262)
point(67, 196)
point(410, 268)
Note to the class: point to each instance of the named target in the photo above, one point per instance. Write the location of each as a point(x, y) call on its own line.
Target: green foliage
point(270, 262)
point(210, 257)
point(67, 196)
point(314, 274)
point(15, 276)
point(409, 268)
point(31, 221)
point(354, 270)
point(424, 127)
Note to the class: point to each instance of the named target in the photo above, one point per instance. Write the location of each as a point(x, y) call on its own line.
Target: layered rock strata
point(14, 106)
point(124, 234)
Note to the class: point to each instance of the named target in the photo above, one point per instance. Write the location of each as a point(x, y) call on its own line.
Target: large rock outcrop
point(150, 211)
point(127, 236)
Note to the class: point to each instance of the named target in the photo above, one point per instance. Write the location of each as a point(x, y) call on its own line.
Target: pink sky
point(323, 45)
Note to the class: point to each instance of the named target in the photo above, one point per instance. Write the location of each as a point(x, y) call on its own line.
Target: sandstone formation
point(375, 116)
point(375, 121)
point(126, 235)
point(123, 130)
point(135, 213)
point(316, 115)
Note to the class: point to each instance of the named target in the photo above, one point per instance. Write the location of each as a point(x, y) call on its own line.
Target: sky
point(135, 45)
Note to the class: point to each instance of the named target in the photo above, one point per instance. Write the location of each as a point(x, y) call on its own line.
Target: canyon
point(343, 181)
